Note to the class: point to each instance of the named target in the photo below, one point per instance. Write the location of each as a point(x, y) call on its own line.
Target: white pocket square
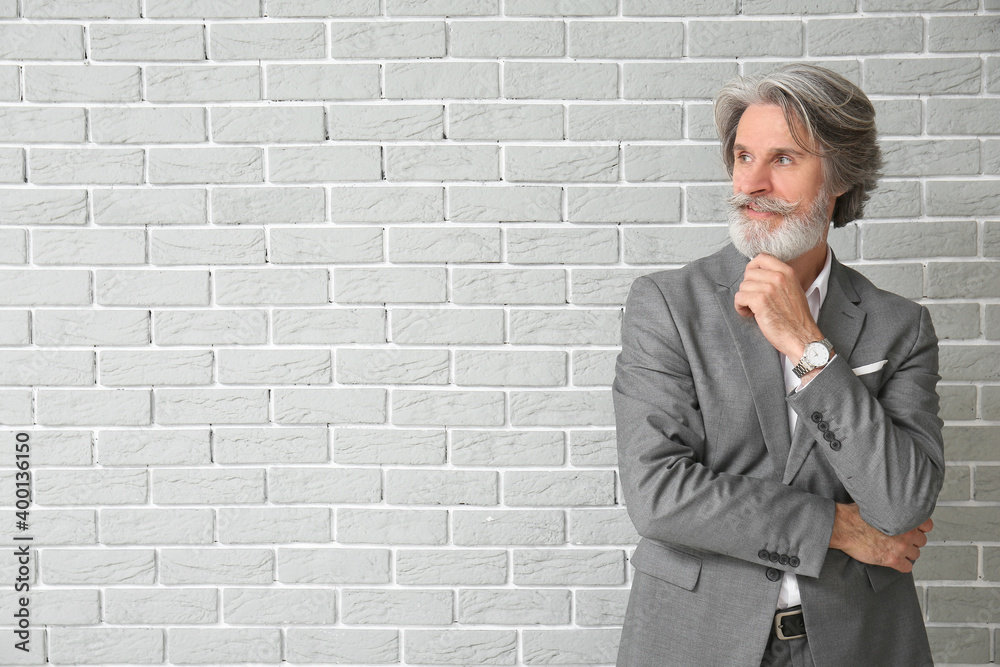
point(869, 368)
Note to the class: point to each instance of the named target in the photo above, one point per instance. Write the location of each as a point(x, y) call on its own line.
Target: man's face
point(780, 205)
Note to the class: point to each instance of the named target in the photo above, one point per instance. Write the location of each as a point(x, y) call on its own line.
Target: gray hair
point(834, 113)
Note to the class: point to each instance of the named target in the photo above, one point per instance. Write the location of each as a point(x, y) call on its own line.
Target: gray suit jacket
point(726, 499)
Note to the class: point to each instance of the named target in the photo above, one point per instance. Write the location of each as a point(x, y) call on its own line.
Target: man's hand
point(771, 293)
point(853, 536)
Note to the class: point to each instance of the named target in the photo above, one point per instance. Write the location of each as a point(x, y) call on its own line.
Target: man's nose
point(753, 179)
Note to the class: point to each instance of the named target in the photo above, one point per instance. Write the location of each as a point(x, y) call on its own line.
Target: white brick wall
point(310, 308)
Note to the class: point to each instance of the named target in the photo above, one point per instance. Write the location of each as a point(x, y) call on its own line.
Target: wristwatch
point(816, 355)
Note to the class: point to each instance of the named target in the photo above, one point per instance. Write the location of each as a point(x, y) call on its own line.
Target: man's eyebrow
point(774, 151)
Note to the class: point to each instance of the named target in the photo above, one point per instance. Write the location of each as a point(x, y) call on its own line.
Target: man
point(779, 444)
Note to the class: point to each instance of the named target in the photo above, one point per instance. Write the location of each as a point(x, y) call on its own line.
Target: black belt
point(788, 623)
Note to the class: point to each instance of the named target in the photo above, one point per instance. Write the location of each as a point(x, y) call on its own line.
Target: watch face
point(817, 354)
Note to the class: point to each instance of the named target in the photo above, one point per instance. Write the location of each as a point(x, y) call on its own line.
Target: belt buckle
point(779, 617)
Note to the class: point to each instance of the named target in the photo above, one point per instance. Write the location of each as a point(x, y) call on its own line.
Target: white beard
point(795, 235)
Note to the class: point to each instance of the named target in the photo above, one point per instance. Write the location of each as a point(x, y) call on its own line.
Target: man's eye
point(784, 160)
point(743, 157)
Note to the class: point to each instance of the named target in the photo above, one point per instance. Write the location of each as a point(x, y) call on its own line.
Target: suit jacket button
point(783, 560)
point(816, 417)
point(763, 554)
point(773, 558)
point(772, 574)
point(794, 561)
point(829, 436)
point(835, 445)
point(823, 426)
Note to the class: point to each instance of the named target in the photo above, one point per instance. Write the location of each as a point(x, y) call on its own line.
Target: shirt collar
point(816, 294)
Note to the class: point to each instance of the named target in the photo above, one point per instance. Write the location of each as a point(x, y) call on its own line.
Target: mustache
point(762, 203)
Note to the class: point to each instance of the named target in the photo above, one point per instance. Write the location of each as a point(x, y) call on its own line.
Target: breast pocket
point(667, 564)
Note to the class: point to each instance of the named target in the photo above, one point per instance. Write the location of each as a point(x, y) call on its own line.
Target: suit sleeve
point(887, 449)
point(670, 494)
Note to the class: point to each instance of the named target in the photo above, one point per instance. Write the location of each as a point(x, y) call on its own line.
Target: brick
point(324, 163)
point(745, 38)
point(809, 7)
point(333, 566)
point(492, 39)
point(548, 81)
point(987, 485)
point(382, 366)
point(390, 446)
point(963, 279)
point(574, 327)
point(271, 367)
point(560, 7)
point(931, 158)
point(179, 9)
point(947, 563)
point(506, 286)
point(507, 448)
point(323, 485)
point(150, 207)
point(558, 488)
point(153, 447)
point(206, 165)
point(957, 484)
point(991, 239)
point(899, 199)
point(264, 205)
point(147, 42)
point(152, 606)
point(393, 607)
point(962, 604)
point(341, 647)
point(677, 7)
point(269, 445)
point(10, 83)
point(601, 526)
point(932, 239)
point(389, 39)
point(944, 76)
point(447, 408)
point(440, 487)
point(672, 81)
point(482, 367)
point(223, 645)
point(173, 247)
point(593, 447)
point(558, 163)
point(837, 37)
point(103, 646)
point(963, 33)
point(97, 566)
point(672, 245)
point(623, 203)
point(505, 204)
point(898, 116)
point(594, 367)
point(420, 326)
point(59, 448)
point(88, 246)
point(12, 165)
point(963, 524)
point(460, 647)
point(61, 606)
point(563, 647)
point(993, 74)
point(322, 406)
point(179, 486)
point(47, 367)
point(443, 163)
point(443, 244)
point(81, 83)
point(435, 80)
point(384, 285)
point(564, 408)
point(216, 565)
point(991, 403)
point(266, 124)
point(274, 525)
point(917, 5)
point(508, 527)
point(150, 287)
point(94, 165)
point(992, 328)
point(514, 607)
point(963, 115)
point(359, 122)
point(970, 443)
point(255, 606)
point(266, 41)
point(39, 41)
point(53, 527)
point(156, 527)
point(600, 606)
point(991, 156)
point(437, 7)
point(957, 401)
point(505, 121)
point(451, 567)
point(15, 326)
point(203, 83)
point(624, 121)
point(392, 526)
point(387, 204)
point(551, 245)
point(338, 325)
point(957, 644)
point(324, 82)
point(81, 9)
point(955, 320)
point(81, 327)
point(561, 566)
point(674, 163)
point(16, 409)
point(92, 407)
point(700, 121)
point(625, 39)
point(210, 327)
point(602, 286)
point(905, 279)
point(323, 8)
